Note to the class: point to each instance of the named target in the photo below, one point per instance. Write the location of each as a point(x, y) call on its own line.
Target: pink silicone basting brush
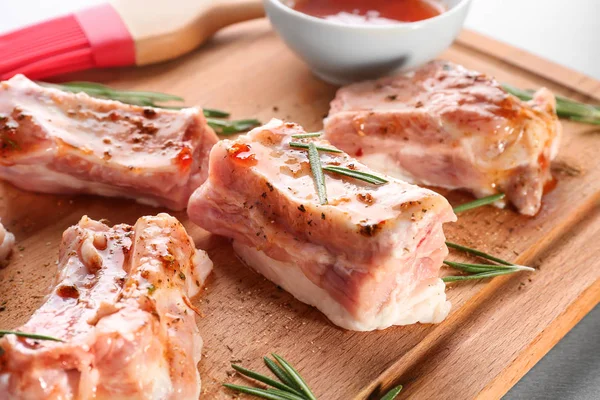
point(118, 33)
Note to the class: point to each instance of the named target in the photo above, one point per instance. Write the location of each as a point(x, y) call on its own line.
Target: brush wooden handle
point(163, 30)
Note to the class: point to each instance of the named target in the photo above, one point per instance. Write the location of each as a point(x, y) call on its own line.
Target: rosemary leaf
point(524, 95)
point(566, 100)
point(218, 123)
point(280, 373)
point(317, 171)
point(363, 176)
point(106, 92)
point(139, 98)
point(481, 271)
point(468, 268)
point(477, 253)
point(565, 108)
point(264, 379)
point(485, 267)
point(295, 377)
point(299, 145)
point(586, 120)
point(478, 203)
point(392, 394)
point(242, 125)
point(211, 112)
point(286, 395)
point(224, 127)
point(307, 135)
point(482, 275)
point(29, 335)
point(262, 393)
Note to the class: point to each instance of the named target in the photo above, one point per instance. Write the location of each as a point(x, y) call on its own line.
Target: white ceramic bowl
point(340, 53)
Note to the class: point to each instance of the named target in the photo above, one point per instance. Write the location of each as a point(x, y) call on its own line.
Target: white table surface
point(564, 31)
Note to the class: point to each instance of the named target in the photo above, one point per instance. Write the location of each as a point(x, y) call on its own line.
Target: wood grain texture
point(497, 329)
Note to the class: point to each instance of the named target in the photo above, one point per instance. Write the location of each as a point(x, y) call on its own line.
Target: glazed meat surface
point(57, 142)
point(7, 242)
point(121, 306)
point(443, 125)
point(368, 259)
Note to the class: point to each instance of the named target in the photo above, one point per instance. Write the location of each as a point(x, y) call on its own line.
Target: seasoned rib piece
point(368, 259)
point(121, 306)
point(57, 142)
point(7, 242)
point(443, 125)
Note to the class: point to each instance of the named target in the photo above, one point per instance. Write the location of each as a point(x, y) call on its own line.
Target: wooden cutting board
point(497, 329)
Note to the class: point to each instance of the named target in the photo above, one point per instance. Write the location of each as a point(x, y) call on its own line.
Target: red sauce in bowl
point(370, 12)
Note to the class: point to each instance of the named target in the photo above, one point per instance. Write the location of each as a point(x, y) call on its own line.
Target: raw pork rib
point(57, 142)
point(122, 307)
point(368, 260)
point(443, 125)
point(7, 242)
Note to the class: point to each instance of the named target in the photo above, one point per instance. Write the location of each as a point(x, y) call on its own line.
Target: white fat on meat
point(368, 259)
point(7, 242)
point(121, 308)
point(59, 142)
point(446, 126)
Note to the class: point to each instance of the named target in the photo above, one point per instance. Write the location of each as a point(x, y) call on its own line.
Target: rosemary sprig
point(155, 99)
point(299, 145)
point(223, 127)
point(264, 379)
point(279, 373)
point(479, 202)
point(476, 268)
point(291, 387)
point(481, 271)
point(295, 377)
point(307, 135)
point(138, 98)
point(482, 275)
point(584, 120)
point(29, 335)
point(392, 394)
point(477, 253)
point(363, 176)
point(211, 112)
point(565, 108)
point(317, 168)
point(317, 171)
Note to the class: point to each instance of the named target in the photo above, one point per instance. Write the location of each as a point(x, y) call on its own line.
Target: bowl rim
point(399, 25)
